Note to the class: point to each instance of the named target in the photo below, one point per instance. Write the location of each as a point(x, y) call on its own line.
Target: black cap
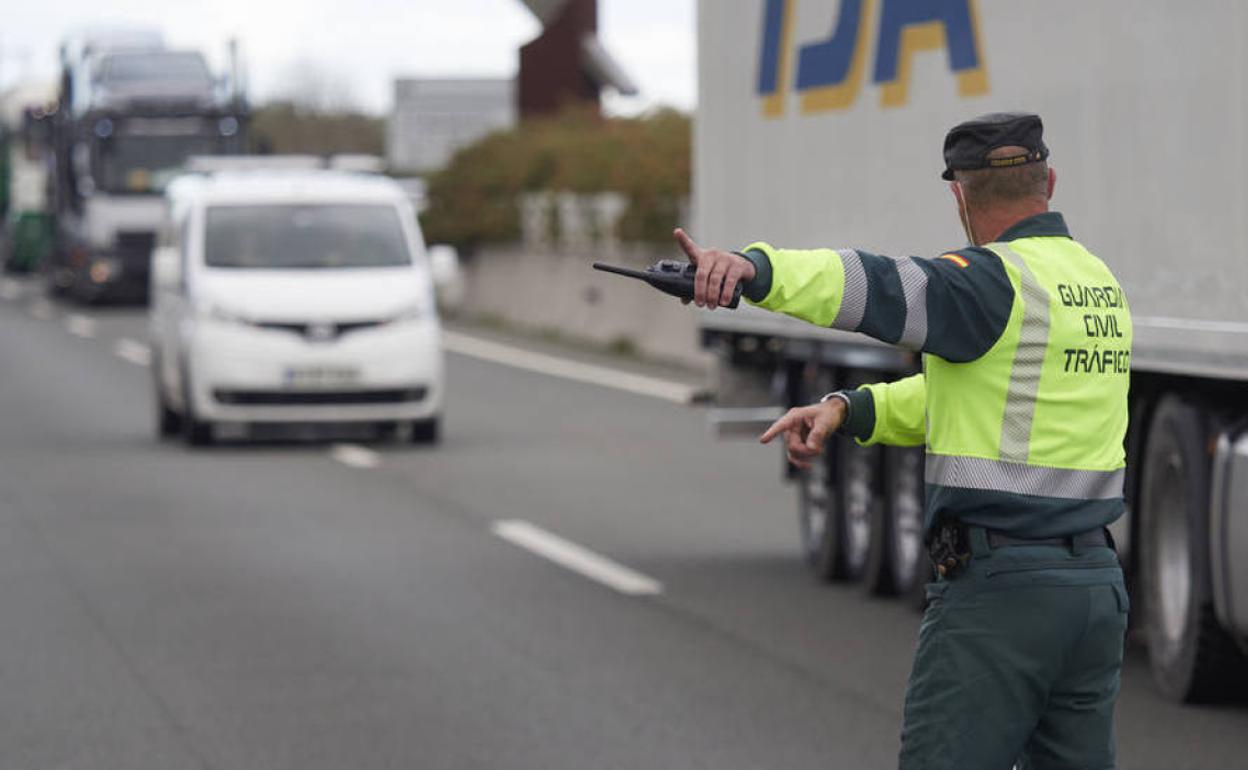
point(967, 144)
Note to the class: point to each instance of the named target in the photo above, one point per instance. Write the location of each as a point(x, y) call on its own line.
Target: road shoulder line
point(592, 374)
point(576, 558)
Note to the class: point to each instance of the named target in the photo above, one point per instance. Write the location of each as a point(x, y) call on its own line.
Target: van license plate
point(320, 377)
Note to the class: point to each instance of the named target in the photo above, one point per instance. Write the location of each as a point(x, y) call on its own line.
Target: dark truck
point(129, 113)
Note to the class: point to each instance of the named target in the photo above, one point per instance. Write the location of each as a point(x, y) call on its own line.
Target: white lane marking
point(133, 351)
point(80, 325)
point(577, 558)
point(355, 456)
point(42, 310)
point(568, 370)
point(9, 290)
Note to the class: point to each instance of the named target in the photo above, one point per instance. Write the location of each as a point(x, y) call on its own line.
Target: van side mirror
point(448, 279)
point(166, 269)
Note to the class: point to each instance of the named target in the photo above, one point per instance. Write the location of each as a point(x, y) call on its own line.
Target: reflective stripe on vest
point(1033, 338)
point(1023, 479)
point(854, 298)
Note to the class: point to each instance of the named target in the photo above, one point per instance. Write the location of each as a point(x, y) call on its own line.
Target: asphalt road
point(305, 605)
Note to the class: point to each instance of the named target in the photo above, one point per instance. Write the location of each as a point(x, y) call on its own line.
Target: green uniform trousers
point(1019, 661)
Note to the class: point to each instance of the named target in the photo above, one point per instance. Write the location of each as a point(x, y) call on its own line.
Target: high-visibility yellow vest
point(1027, 436)
point(1044, 412)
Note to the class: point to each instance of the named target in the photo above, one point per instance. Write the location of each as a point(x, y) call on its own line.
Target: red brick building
point(566, 64)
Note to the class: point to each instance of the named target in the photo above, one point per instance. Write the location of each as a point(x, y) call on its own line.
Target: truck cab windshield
point(146, 164)
point(128, 70)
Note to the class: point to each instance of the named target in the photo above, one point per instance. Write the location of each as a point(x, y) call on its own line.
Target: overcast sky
point(359, 47)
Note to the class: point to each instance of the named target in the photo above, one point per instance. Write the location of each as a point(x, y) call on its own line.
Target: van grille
point(319, 331)
point(318, 397)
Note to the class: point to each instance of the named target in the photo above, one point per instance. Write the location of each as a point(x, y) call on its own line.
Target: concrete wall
point(560, 291)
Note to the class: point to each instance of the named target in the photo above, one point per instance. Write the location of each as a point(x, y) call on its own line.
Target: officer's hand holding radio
point(806, 429)
point(719, 272)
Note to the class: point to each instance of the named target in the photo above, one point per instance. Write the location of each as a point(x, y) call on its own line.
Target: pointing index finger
point(776, 427)
point(690, 248)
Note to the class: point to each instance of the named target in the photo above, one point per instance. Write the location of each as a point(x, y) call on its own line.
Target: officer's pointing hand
point(806, 429)
point(719, 272)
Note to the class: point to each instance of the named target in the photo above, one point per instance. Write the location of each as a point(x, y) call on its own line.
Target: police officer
point(1022, 406)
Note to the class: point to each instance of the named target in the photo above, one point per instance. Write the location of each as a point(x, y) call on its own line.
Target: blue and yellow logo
point(830, 71)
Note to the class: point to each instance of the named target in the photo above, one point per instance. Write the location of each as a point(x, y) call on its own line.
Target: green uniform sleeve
point(892, 413)
point(955, 306)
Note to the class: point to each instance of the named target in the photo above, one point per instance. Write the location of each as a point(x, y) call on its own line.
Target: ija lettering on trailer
point(828, 73)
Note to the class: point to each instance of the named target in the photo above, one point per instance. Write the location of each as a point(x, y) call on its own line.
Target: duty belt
point(950, 546)
point(1094, 538)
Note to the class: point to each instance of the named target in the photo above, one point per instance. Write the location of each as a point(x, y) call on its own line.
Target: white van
point(298, 296)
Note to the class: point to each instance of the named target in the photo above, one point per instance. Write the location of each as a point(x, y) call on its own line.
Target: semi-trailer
point(820, 124)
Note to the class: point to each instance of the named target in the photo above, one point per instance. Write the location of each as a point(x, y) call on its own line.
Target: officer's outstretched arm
point(892, 413)
point(955, 306)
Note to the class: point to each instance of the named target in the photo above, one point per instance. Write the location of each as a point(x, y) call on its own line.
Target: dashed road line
point(42, 310)
point(355, 456)
point(133, 351)
point(80, 325)
point(576, 558)
point(592, 374)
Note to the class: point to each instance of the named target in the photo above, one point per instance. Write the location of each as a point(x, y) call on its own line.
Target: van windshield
point(275, 237)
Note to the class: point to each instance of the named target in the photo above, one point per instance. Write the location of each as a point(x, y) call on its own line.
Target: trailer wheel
point(857, 484)
point(1193, 659)
point(897, 558)
point(815, 494)
point(1125, 529)
point(816, 504)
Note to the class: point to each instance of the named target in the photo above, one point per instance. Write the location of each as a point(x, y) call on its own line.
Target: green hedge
point(475, 199)
point(282, 127)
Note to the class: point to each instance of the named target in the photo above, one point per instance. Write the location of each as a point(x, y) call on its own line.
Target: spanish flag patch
point(956, 259)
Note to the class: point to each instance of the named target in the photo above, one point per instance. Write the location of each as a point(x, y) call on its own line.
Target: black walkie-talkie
point(670, 276)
